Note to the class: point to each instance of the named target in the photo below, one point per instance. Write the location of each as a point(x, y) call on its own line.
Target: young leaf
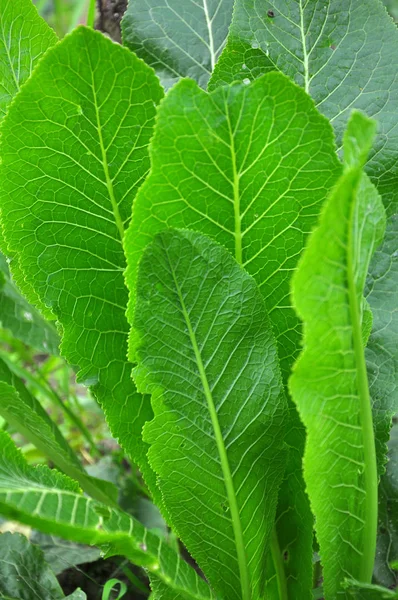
point(24, 574)
point(24, 38)
point(52, 503)
point(74, 153)
point(178, 38)
point(19, 408)
point(206, 353)
point(21, 318)
point(329, 383)
point(249, 166)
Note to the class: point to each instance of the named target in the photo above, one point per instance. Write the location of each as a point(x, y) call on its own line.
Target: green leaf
point(21, 318)
point(77, 595)
point(74, 153)
point(363, 591)
point(24, 574)
point(52, 503)
point(206, 353)
point(178, 38)
point(341, 57)
point(329, 382)
point(19, 408)
point(387, 540)
point(382, 348)
point(24, 38)
point(249, 166)
point(61, 554)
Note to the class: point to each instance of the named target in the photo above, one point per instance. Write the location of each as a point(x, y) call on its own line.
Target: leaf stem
point(370, 464)
point(229, 484)
point(279, 568)
point(91, 13)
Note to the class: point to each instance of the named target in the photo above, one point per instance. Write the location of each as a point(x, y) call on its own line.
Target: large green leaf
point(52, 503)
point(329, 383)
point(206, 353)
point(178, 38)
point(250, 166)
point(21, 318)
point(21, 410)
point(387, 542)
point(24, 38)
point(73, 155)
point(24, 574)
point(339, 53)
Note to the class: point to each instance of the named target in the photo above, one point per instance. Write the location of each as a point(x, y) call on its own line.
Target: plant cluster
point(208, 213)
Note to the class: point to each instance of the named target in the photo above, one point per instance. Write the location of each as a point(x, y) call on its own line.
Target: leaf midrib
point(229, 485)
point(108, 180)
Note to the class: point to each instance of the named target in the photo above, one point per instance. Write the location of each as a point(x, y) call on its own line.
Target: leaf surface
point(206, 353)
point(329, 381)
point(24, 38)
point(24, 574)
point(178, 38)
point(21, 318)
point(19, 408)
point(52, 503)
point(249, 166)
point(74, 153)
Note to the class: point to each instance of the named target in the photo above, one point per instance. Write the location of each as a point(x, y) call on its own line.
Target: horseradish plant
point(210, 215)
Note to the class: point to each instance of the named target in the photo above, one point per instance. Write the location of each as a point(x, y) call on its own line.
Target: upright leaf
point(249, 166)
point(21, 410)
point(24, 574)
point(51, 502)
point(329, 383)
point(24, 38)
point(74, 153)
point(178, 38)
point(21, 318)
point(206, 353)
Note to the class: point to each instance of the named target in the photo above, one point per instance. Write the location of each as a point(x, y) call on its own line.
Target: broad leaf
point(21, 318)
point(249, 166)
point(206, 353)
point(385, 572)
point(51, 502)
point(178, 38)
point(24, 38)
point(329, 383)
point(21, 410)
point(74, 153)
point(24, 574)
